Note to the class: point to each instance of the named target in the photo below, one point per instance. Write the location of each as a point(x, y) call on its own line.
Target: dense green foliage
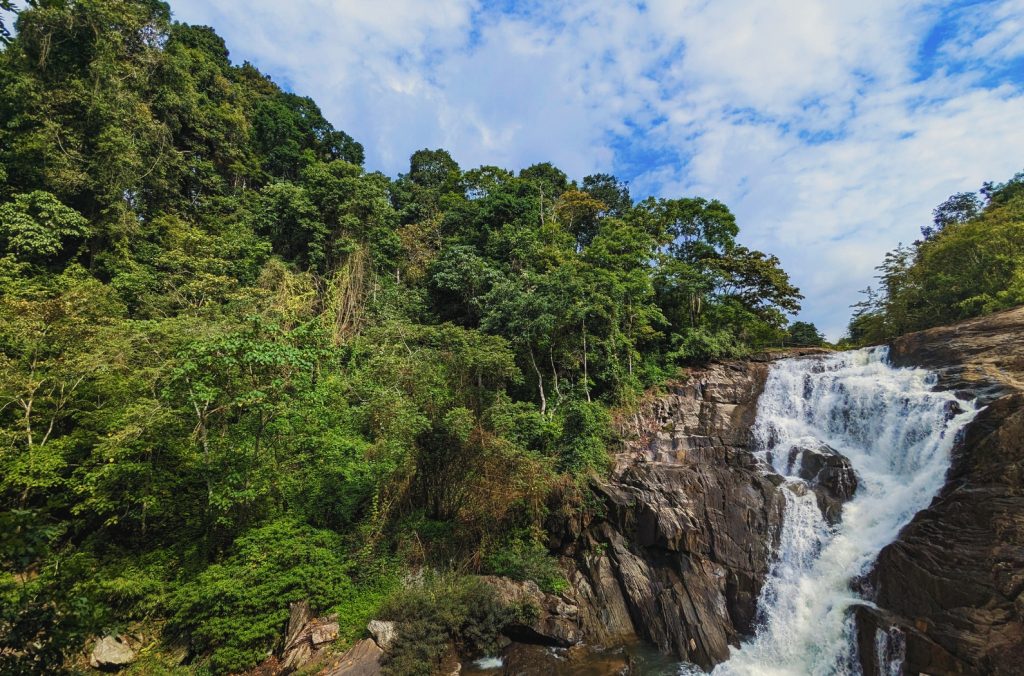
point(238, 370)
point(235, 608)
point(970, 262)
point(804, 334)
point(523, 556)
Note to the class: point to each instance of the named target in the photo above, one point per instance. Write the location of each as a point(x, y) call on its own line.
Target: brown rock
point(557, 619)
point(306, 639)
point(690, 517)
point(323, 633)
point(363, 659)
point(983, 356)
point(299, 616)
point(603, 611)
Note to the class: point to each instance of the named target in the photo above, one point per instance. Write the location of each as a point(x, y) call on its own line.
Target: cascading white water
point(898, 434)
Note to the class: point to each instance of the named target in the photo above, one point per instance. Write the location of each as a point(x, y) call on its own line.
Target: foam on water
point(489, 663)
point(898, 433)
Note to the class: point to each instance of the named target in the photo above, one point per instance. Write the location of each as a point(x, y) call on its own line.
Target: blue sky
point(830, 128)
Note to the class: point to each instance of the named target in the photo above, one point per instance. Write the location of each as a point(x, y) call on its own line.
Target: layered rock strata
point(677, 550)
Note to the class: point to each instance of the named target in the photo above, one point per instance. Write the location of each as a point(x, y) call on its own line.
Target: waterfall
point(898, 433)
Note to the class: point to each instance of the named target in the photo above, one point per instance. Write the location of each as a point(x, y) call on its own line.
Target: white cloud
point(814, 120)
point(992, 36)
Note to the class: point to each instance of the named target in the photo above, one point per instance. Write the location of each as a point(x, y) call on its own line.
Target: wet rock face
point(689, 547)
point(689, 522)
point(952, 583)
point(828, 473)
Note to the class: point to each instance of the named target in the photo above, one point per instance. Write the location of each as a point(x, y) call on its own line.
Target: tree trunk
point(540, 383)
point(586, 378)
point(554, 374)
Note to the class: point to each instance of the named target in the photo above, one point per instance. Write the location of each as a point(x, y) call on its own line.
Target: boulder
point(306, 639)
point(324, 632)
point(384, 633)
point(363, 659)
point(829, 474)
point(556, 621)
point(111, 653)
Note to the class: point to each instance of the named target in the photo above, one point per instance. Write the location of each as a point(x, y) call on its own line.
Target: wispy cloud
point(832, 129)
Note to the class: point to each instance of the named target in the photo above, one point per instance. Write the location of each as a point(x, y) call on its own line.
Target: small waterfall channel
point(898, 433)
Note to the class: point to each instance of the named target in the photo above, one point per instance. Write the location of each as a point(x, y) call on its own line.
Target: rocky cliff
point(949, 590)
point(678, 549)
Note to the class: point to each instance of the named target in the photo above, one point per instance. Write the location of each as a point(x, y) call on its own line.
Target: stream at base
point(898, 434)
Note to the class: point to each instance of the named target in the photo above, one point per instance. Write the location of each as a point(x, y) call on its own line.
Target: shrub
point(44, 618)
point(523, 557)
point(703, 345)
point(445, 611)
point(236, 610)
point(521, 423)
point(582, 445)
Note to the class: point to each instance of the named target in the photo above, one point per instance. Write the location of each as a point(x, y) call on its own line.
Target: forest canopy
point(236, 365)
point(968, 262)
